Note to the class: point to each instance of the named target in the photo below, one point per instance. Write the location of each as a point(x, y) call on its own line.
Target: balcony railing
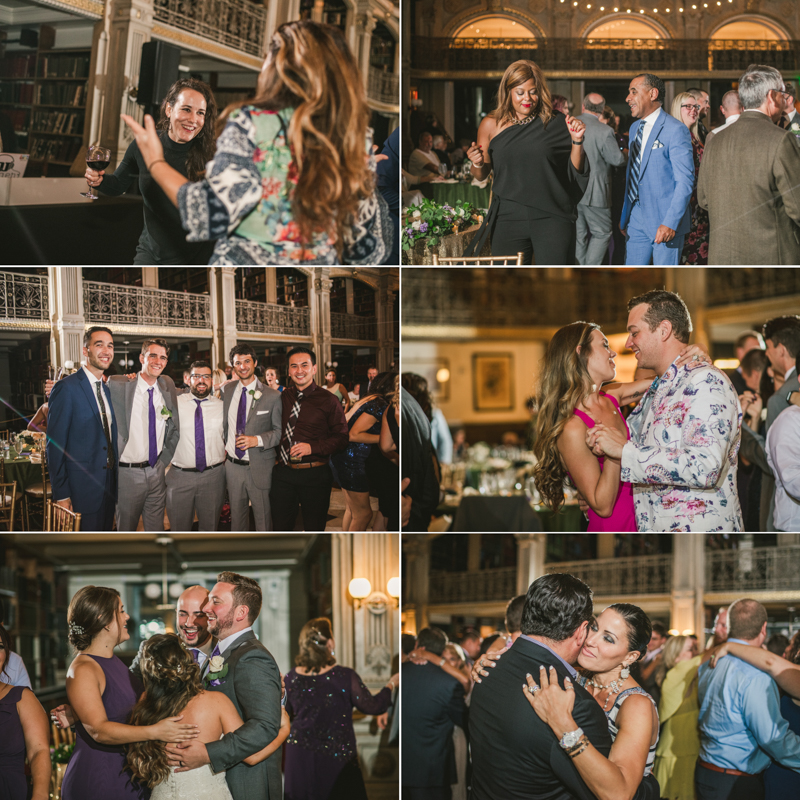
point(240, 24)
point(24, 298)
point(350, 326)
point(635, 575)
point(465, 587)
point(140, 307)
point(602, 55)
point(253, 317)
point(500, 297)
point(727, 286)
point(756, 569)
point(383, 86)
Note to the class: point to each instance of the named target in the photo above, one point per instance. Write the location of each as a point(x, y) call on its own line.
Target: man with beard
point(244, 670)
point(196, 482)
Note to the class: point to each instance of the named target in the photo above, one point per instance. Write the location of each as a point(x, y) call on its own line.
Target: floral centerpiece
point(431, 221)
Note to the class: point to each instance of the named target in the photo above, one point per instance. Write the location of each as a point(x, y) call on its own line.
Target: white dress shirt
point(137, 449)
point(212, 428)
point(648, 123)
point(233, 413)
point(783, 455)
point(419, 159)
point(106, 401)
point(728, 122)
point(15, 673)
point(225, 644)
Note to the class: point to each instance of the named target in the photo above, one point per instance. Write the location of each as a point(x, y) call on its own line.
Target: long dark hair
point(204, 144)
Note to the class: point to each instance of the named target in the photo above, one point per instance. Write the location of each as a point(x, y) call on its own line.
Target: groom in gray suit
point(252, 418)
point(245, 671)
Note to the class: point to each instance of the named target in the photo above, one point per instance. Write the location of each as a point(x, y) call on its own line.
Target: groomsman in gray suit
point(252, 419)
point(146, 410)
point(249, 676)
point(196, 481)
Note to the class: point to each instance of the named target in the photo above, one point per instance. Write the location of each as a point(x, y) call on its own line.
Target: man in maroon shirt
point(314, 427)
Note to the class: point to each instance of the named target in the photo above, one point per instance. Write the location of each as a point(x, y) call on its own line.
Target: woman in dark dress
point(186, 131)
point(102, 692)
point(23, 732)
point(540, 171)
point(321, 757)
point(383, 465)
point(350, 465)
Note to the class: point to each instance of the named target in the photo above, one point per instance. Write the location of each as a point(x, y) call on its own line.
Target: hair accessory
point(77, 629)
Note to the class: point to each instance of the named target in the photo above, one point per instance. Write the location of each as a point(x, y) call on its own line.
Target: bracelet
point(391, 683)
point(578, 143)
point(582, 742)
point(576, 753)
point(157, 161)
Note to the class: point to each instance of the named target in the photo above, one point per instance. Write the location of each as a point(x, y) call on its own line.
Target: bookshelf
point(184, 279)
point(363, 299)
point(124, 276)
point(252, 284)
point(31, 360)
point(17, 80)
point(292, 286)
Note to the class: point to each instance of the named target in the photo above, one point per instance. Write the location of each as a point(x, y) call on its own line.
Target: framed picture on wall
point(493, 381)
point(436, 371)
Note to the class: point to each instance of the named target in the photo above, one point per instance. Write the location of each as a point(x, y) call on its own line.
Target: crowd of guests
point(127, 448)
point(668, 191)
point(718, 720)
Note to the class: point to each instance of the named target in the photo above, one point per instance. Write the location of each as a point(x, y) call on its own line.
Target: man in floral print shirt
point(685, 432)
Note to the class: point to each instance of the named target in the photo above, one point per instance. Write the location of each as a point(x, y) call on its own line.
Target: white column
point(67, 322)
point(688, 582)
point(273, 622)
point(222, 286)
point(150, 277)
point(417, 548)
point(531, 549)
point(321, 316)
point(385, 300)
point(343, 609)
point(272, 284)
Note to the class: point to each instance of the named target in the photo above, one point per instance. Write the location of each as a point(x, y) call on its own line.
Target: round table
point(22, 471)
point(464, 190)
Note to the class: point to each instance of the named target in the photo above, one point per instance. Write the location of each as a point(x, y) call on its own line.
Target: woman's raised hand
point(172, 730)
point(696, 353)
point(576, 127)
point(717, 653)
point(475, 155)
point(552, 704)
point(486, 660)
point(146, 138)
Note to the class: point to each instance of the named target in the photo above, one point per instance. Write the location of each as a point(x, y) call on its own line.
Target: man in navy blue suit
point(81, 437)
point(660, 177)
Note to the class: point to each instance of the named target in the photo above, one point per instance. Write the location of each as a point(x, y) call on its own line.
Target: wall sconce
point(377, 602)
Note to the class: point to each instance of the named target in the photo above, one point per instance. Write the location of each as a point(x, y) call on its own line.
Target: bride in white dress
point(172, 687)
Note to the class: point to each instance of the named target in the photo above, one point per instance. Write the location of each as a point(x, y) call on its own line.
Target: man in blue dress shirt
point(741, 726)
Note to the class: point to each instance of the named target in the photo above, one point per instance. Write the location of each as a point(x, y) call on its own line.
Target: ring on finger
point(533, 689)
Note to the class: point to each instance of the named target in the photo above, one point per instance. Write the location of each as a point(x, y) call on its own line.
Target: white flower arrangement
point(216, 664)
point(416, 214)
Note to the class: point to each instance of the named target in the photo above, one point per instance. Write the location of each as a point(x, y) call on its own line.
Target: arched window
point(750, 29)
point(495, 28)
point(627, 27)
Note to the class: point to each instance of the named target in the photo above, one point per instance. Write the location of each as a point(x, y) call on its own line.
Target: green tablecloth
point(450, 192)
point(485, 513)
point(568, 520)
point(22, 471)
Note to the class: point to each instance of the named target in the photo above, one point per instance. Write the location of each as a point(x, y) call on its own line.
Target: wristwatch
point(570, 739)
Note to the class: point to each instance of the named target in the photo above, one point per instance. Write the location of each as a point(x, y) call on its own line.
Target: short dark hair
point(514, 613)
point(639, 626)
point(597, 108)
point(658, 627)
point(745, 335)
point(785, 331)
point(556, 606)
point(423, 133)
point(246, 592)
point(746, 618)
point(302, 349)
point(5, 639)
point(654, 82)
point(243, 350)
point(87, 336)
point(777, 644)
point(432, 639)
point(407, 643)
point(383, 384)
point(158, 342)
point(755, 361)
point(667, 306)
point(199, 365)
point(488, 642)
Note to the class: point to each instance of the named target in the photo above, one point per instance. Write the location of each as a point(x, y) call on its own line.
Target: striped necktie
point(636, 165)
point(288, 430)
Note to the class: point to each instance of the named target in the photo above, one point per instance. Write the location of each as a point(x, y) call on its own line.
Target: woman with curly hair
point(185, 132)
point(572, 398)
point(291, 180)
point(172, 686)
point(321, 757)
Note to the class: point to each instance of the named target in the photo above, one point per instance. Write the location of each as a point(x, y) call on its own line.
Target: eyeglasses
point(779, 91)
point(206, 378)
point(696, 108)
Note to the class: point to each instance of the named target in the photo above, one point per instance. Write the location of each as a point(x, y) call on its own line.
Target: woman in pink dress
point(578, 363)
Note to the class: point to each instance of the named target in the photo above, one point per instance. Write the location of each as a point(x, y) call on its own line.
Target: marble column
point(386, 299)
point(150, 277)
point(222, 291)
point(417, 548)
point(321, 316)
point(531, 549)
point(272, 284)
point(688, 583)
point(365, 24)
point(67, 322)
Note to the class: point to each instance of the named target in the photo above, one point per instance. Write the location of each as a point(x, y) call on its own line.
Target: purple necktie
point(151, 424)
point(241, 420)
point(195, 655)
point(199, 439)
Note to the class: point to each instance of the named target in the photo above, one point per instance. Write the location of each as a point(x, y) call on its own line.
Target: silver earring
point(333, 652)
point(624, 673)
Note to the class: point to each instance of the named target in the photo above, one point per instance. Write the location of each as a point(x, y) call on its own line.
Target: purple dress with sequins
point(321, 758)
point(97, 771)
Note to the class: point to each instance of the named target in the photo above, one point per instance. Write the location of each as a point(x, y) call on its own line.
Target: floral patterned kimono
point(681, 458)
point(245, 201)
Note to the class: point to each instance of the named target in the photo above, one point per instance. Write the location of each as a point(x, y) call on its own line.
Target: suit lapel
point(651, 140)
point(130, 393)
point(88, 390)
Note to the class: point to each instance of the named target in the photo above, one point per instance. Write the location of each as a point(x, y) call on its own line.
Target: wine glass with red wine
point(97, 158)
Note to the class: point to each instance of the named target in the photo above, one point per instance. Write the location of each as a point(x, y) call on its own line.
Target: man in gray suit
point(750, 179)
point(252, 420)
point(245, 671)
point(594, 209)
point(146, 410)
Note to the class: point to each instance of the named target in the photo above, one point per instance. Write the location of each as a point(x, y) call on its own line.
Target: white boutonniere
point(795, 128)
point(256, 394)
point(217, 670)
point(165, 412)
point(216, 664)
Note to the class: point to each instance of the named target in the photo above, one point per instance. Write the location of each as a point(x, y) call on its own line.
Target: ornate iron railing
point(350, 326)
point(503, 297)
point(24, 297)
point(602, 55)
point(383, 86)
point(753, 569)
point(254, 317)
point(727, 286)
point(239, 24)
point(635, 575)
point(136, 306)
point(464, 587)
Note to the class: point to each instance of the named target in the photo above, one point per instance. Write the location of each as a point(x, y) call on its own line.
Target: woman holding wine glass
point(291, 180)
point(186, 136)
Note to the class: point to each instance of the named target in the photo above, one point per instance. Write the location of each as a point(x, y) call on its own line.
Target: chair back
point(61, 519)
point(497, 261)
point(4, 436)
point(8, 503)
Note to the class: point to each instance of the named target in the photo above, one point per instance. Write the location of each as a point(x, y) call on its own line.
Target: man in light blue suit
point(660, 177)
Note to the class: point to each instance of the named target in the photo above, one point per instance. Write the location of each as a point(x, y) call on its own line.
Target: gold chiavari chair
point(8, 504)
point(495, 261)
point(4, 436)
point(37, 495)
point(60, 519)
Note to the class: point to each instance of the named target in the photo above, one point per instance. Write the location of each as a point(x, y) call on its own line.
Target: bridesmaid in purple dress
point(23, 732)
point(102, 693)
point(321, 758)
